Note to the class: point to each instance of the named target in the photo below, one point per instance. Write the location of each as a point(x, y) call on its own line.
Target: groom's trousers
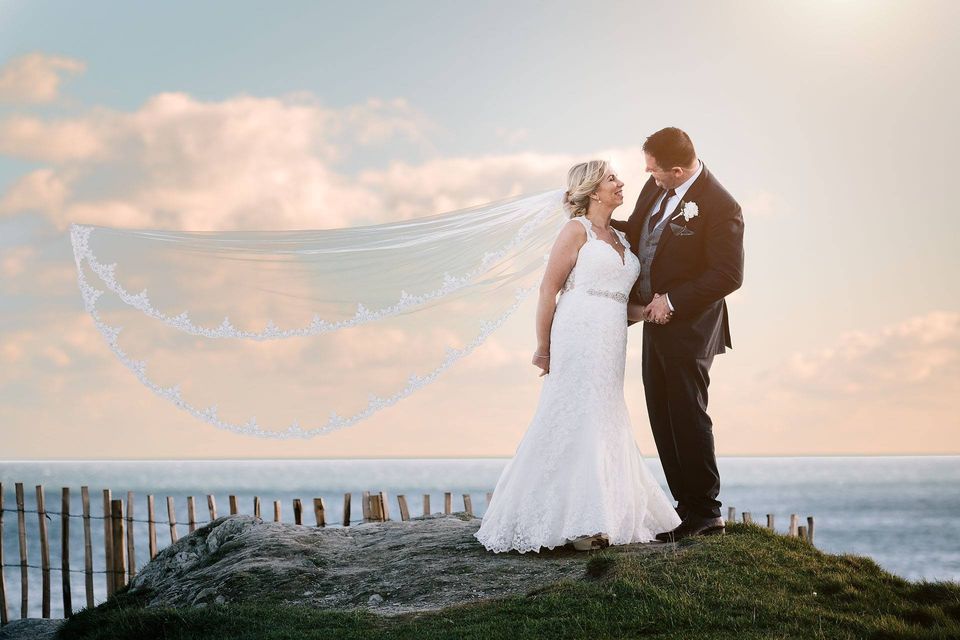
point(676, 393)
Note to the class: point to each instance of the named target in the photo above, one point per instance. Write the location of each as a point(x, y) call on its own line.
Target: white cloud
point(43, 190)
point(891, 390)
point(15, 261)
point(249, 162)
point(52, 342)
point(379, 120)
point(445, 184)
point(62, 141)
point(921, 351)
point(178, 162)
point(35, 78)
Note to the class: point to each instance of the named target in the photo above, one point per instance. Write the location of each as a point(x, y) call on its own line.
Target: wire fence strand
point(52, 568)
point(142, 520)
point(93, 517)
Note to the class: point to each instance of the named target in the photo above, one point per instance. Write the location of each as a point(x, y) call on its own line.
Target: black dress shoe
point(693, 525)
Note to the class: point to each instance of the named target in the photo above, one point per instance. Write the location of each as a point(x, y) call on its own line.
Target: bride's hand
point(542, 361)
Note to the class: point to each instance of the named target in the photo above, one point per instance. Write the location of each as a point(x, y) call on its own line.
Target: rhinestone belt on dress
point(615, 295)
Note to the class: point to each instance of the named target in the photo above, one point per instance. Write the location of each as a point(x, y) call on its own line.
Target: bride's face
point(610, 191)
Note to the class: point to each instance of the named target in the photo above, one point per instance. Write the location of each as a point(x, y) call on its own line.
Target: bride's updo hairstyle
point(582, 180)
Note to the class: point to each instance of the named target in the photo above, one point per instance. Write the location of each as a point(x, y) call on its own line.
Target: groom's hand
point(658, 311)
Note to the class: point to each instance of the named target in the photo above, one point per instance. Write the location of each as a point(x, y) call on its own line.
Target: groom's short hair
point(671, 147)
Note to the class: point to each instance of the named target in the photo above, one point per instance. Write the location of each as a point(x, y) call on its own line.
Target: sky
point(833, 123)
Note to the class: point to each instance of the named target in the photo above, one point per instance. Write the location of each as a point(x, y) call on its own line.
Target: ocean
point(904, 512)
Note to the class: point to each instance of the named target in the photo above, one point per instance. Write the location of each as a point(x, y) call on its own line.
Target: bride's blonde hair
point(582, 180)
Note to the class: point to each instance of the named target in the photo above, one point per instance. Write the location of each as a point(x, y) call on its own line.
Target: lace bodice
point(599, 266)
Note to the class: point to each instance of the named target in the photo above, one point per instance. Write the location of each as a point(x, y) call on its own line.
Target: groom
point(687, 232)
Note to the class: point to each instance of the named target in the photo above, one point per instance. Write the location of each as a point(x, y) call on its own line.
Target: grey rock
point(392, 567)
point(30, 629)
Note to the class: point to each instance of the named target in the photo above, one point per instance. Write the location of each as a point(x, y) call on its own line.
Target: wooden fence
point(119, 549)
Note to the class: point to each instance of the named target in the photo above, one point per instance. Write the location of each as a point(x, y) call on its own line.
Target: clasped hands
point(658, 311)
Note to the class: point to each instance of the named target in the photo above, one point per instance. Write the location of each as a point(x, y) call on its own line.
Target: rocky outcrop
point(391, 567)
point(30, 629)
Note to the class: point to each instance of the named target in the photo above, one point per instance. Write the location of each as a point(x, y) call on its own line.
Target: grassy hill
point(750, 583)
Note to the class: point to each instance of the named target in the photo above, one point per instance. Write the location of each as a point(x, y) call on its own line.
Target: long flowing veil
point(321, 328)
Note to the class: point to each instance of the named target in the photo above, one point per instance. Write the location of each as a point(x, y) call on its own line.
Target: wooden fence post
point(256, 506)
point(802, 532)
point(131, 551)
point(810, 529)
point(365, 505)
point(792, 532)
point(447, 502)
point(320, 512)
point(426, 504)
point(731, 515)
point(747, 517)
point(108, 541)
point(119, 561)
point(770, 521)
point(3, 580)
point(87, 546)
point(385, 504)
point(276, 511)
point(22, 537)
point(298, 510)
point(65, 552)
point(402, 503)
point(44, 552)
point(151, 527)
point(375, 513)
point(212, 506)
point(191, 515)
point(468, 504)
point(172, 519)
point(346, 509)
point(233, 506)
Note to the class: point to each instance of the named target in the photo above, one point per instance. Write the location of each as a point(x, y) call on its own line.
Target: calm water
point(903, 512)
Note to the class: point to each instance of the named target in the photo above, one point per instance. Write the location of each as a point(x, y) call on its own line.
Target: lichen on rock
point(391, 567)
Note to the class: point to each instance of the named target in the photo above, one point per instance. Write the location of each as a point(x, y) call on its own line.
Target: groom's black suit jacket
point(697, 269)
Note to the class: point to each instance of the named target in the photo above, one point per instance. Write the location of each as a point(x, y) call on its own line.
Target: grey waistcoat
point(646, 251)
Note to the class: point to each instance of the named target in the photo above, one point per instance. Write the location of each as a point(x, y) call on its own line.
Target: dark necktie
point(655, 218)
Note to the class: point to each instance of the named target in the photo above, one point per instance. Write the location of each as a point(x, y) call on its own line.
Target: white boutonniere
point(689, 212)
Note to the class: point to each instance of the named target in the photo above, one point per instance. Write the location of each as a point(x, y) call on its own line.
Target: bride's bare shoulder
point(574, 229)
point(572, 236)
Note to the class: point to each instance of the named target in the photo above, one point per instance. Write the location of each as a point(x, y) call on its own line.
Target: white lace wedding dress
point(578, 470)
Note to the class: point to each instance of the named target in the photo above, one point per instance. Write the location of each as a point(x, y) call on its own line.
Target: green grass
point(749, 583)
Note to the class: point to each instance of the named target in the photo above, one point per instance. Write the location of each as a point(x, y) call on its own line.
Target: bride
point(577, 475)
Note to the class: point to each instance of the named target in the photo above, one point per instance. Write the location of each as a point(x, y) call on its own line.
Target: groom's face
point(665, 178)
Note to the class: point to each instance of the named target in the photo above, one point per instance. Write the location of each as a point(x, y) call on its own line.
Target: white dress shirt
point(672, 203)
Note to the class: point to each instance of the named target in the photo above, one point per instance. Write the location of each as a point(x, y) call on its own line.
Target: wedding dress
point(578, 470)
